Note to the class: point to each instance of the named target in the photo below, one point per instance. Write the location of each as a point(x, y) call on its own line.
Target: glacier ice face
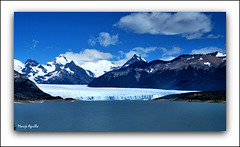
point(82, 92)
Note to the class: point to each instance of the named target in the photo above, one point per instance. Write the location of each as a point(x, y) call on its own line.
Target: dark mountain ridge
point(186, 72)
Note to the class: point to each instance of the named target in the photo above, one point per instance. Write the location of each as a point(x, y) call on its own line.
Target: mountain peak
point(31, 62)
point(61, 59)
point(135, 56)
point(134, 59)
point(72, 63)
point(61, 55)
point(220, 54)
point(217, 54)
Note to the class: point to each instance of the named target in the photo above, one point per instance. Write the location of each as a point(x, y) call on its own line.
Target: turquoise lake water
point(120, 116)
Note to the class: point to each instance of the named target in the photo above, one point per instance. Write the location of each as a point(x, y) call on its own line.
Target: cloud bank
point(167, 54)
point(173, 51)
point(191, 25)
point(207, 50)
point(168, 58)
point(88, 55)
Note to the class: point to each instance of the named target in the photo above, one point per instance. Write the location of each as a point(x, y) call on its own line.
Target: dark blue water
point(120, 116)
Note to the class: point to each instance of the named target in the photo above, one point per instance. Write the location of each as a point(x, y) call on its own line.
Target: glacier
point(82, 92)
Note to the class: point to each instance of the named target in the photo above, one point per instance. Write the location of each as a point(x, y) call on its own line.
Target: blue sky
point(116, 36)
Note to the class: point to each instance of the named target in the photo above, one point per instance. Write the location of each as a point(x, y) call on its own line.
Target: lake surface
point(82, 92)
point(120, 116)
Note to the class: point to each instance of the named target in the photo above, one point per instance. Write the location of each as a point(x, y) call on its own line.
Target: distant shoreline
point(40, 101)
point(181, 100)
point(205, 96)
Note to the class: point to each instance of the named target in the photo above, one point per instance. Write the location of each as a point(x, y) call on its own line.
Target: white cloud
point(167, 53)
point(173, 51)
point(193, 36)
point(104, 39)
point(168, 58)
point(88, 55)
point(207, 50)
point(143, 52)
point(120, 62)
point(121, 54)
point(191, 25)
point(140, 51)
point(212, 36)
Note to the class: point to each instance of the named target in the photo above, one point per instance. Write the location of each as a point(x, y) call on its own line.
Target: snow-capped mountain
point(63, 70)
point(186, 72)
point(18, 65)
point(217, 54)
point(135, 59)
point(60, 71)
point(100, 67)
point(69, 73)
point(33, 69)
point(61, 59)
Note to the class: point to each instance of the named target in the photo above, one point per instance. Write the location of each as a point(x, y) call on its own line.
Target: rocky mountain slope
point(186, 72)
point(26, 91)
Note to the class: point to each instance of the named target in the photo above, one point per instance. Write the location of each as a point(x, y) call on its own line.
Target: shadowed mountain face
point(24, 89)
point(135, 60)
point(70, 73)
point(32, 63)
point(186, 72)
